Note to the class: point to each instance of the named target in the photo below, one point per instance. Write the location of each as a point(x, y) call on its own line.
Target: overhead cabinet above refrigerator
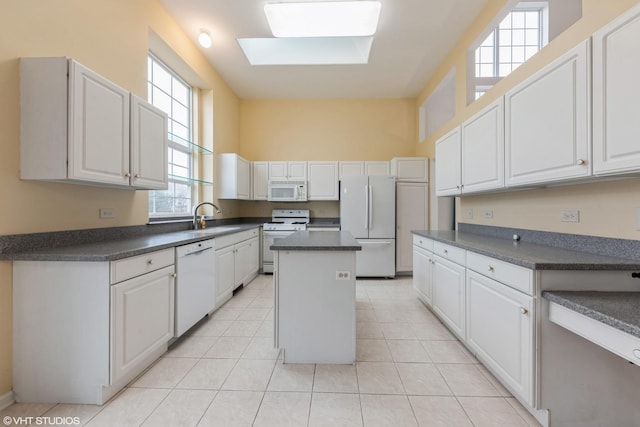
point(368, 212)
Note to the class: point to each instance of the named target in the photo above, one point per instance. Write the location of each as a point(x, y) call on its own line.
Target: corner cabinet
point(549, 113)
point(616, 90)
point(234, 177)
point(323, 181)
point(77, 126)
point(98, 323)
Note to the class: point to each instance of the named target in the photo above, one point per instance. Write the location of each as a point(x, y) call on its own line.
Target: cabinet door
point(323, 181)
point(355, 168)
point(376, 168)
point(149, 166)
point(225, 273)
point(482, 149)
point(278, 171)
point(411, 214)
point(449, 294)
point(616, 90)
point(547, 123)
point(500, 330)
point(98, 128)
point(142, 311)
point(243, 179)
point(422, 271)
point(297, 171)
point(253, 258)
point(448, 156)
point(260, 180)
point(243, 260)
point(412, 169)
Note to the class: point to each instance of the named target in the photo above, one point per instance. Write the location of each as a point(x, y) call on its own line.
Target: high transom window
point(170, 93)
point(519, 36)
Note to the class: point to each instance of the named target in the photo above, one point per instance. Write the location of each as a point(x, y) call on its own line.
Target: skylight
point(323, 19)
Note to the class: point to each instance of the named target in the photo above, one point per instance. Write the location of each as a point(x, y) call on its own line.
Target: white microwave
point(287, 191)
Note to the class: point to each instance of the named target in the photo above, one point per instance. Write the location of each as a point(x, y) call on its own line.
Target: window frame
point(174, 144)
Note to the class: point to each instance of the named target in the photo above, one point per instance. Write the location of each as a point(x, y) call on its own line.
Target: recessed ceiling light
point(323, 19)
point(204, 39)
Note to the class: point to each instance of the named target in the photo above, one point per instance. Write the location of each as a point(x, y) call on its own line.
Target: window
point(519, 36)
point(170, 93)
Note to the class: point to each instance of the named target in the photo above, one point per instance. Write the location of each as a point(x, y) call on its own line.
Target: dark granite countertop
point(620, 310)
point(317, 241)
point(126, 247)
point(530, 255)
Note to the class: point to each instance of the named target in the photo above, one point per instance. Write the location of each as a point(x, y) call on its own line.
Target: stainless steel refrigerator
point(368, 211)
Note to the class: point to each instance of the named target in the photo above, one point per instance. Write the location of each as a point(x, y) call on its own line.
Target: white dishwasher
point(195, 283)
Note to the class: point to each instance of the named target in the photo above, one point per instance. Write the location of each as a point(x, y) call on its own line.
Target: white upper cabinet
point(616, 91)
point(287, 171)
point(76, 126)
point(260, 177)
point(483, 150)
point(448, 156)
point(234, 174)
point(410, 169)
point(376, 168)
point(547, 123)
point(351, 168)
point(149, 163)
point(323, 181)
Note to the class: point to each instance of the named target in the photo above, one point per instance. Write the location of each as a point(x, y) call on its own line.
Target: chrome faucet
point(195, 213)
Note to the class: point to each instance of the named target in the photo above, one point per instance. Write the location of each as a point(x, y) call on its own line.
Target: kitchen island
point(315, 297)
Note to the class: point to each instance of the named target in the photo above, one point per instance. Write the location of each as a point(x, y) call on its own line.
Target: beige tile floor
point(410, 371)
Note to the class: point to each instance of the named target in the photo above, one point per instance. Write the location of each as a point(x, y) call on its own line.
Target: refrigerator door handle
point(366, 206)
point(370, 209)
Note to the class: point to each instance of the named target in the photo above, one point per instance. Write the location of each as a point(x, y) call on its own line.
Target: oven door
point(267, 254)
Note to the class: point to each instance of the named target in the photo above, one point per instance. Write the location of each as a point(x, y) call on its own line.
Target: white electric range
point(284, 222)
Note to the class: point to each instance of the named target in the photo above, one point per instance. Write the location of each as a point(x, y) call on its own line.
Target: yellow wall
point(333, 129)
point(606, 209)
point(112, 38)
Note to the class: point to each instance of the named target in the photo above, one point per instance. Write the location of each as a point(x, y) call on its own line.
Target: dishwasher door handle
point(198, 252)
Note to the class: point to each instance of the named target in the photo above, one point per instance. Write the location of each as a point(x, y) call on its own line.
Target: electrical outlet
point(343, 275)
point(107, 213)
point(468, 213)
point(570, 216)
point(488, 213)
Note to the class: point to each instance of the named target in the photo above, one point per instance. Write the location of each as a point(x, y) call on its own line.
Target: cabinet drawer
point(516, 277)
point(423, 242)
point(127, 268)
point(232, 239)
point(449, 252)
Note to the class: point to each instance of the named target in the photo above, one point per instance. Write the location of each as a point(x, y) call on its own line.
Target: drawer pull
point(491, 269)
point(446, 252)
point(150, 261)
point(523, 310)
point(636, 353)
point(174, 275)
point(581, 162)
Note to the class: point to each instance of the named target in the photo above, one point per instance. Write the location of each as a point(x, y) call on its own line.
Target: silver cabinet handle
point(136, 175)
point(491, 269)
point(174, 275)
point(581, 162)
point(523, 310)
point(128, 175)
point(446, 252)
point(150, 261)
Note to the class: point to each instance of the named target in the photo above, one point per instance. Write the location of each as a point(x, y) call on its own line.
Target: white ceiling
point(413, 38)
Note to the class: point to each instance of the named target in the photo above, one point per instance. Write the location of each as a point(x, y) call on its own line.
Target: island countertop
point(317, 241)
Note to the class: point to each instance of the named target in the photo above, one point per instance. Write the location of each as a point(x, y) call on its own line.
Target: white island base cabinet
point(83, 330)
point(315, 299)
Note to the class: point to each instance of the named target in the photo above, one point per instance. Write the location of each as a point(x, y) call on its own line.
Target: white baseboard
point(6, 400)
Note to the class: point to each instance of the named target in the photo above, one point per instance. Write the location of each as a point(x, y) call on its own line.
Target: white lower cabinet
point(422, 274)
point(83, 330)
point(500, 330)
point(142, 311)
point(449, 294)
point(237, 262)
